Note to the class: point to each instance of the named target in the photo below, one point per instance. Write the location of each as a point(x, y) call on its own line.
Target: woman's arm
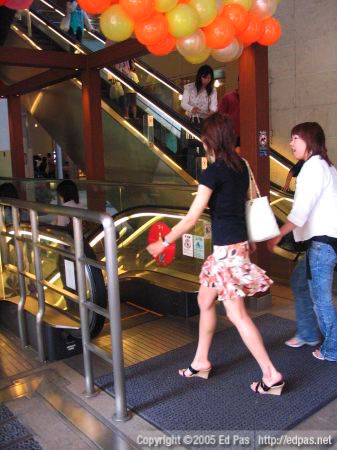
point(285, 229)
point(213, 106)
point(191, 218)
point(185, 101)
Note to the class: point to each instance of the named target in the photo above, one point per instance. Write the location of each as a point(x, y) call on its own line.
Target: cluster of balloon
point(16, 4)
point(196, 28)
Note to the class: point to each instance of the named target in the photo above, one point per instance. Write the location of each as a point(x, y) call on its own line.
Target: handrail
point(114, 313)
point(178, 118)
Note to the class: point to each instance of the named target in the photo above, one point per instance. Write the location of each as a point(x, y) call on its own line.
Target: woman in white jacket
point(200, 98)
point(313, 220)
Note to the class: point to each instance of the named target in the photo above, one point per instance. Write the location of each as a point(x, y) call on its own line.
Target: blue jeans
point(313, 299)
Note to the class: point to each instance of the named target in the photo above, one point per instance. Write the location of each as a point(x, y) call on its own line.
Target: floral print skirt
point(230, 271)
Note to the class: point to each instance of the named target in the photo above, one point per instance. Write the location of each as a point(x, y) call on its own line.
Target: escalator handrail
point(179, 118)
point(142, 64)
point(159, 75)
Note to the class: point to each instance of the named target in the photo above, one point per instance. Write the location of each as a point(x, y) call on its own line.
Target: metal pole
point(121, 413)
point(22, 284)
point(40, 291)
point(4, 247)
point(82, 294)
point(59, 161)
point(29, 23)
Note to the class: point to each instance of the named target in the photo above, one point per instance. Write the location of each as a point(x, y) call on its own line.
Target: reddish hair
point(313, 135)
point(219, 137)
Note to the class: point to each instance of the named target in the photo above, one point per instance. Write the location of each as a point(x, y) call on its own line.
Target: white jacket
point(315, 203)
point(206, 103)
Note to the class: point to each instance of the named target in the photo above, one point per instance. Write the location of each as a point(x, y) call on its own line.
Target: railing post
point(22, 284)
point(82, 294)
point(121, 413)
point(39, 279)
point(4, 248)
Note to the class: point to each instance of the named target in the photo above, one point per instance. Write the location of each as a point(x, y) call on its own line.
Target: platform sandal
point(195, 373)
point(275, 389)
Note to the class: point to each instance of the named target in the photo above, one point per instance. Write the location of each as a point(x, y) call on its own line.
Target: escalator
point(133, 149)
point(139, 150)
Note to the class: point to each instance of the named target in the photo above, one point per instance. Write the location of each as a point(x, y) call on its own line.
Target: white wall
point(303, 71)
point(5, 156)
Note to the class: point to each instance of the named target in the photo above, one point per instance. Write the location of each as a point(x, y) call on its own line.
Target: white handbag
point(65, 23)
point(260, 219)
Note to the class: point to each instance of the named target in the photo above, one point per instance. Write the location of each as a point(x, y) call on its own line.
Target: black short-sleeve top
point(227, 202)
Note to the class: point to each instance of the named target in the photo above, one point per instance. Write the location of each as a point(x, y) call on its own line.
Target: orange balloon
point(253, 31)
point(237, 15)
point(163, 47)
point(94, 6)
point(183, 1)
point(138, 9)
point(271, 31)
point(219, 33)
point(152, 30)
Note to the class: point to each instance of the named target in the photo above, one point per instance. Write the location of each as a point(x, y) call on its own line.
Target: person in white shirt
point(313, 220)
point(200, 98)
point(68, 194)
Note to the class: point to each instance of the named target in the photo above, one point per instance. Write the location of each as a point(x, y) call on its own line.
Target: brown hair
point(219, 137)
point(313, 135)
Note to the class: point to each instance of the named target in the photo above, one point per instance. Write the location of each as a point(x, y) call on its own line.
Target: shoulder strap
point(251, 181)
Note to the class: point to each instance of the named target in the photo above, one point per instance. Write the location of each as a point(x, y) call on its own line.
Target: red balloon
point(271, 31)
point(152, 30)
point(253, 31)
point(158, 231)
point(138, 9)
point(183, 1)
point(219, 33)
point(163, 47)
point(2, 2)
point(18, 4)
point(94, 6)
point(237, 15)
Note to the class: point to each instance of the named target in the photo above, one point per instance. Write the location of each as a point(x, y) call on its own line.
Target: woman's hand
point(156, 248)
point(272, 242)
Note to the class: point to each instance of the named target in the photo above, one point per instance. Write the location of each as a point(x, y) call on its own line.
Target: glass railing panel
point(133, 231)
point(58, 271)
point(112, 197)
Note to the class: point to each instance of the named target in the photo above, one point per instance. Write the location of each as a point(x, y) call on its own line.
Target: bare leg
point(237, 314)
point(207, 324)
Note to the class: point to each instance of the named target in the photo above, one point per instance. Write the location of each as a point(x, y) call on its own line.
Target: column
point(16, 136)
point(254, 123)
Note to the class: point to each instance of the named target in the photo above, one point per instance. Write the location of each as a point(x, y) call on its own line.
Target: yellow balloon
point(206, 9)
point(115, 24)
point(245, 3)
point(200, 58)
point(165, 5)
point(183, 20)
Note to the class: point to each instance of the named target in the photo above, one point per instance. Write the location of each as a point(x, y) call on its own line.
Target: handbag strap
point(251, 181)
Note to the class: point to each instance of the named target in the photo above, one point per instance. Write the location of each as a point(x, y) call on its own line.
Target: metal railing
point(113, 313)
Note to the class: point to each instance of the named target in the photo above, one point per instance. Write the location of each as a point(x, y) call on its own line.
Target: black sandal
point(275, 389)
point(195, 373)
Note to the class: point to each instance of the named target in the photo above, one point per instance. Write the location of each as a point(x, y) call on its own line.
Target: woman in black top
point(228, 273)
